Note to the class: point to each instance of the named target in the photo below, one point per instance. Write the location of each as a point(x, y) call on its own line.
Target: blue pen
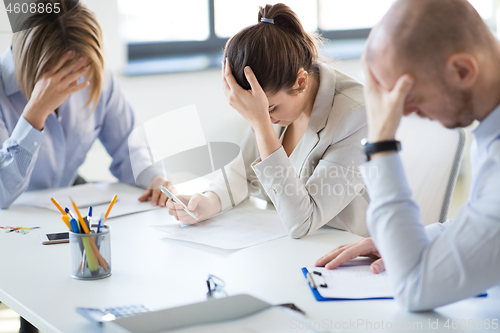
point(69, 212)
point(99, 224)
point(74, 226)
point(89, 215)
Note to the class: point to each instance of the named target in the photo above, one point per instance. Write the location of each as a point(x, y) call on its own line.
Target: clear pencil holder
point(90, 255)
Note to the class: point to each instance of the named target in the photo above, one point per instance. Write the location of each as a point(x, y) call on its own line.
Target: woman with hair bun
point(56, 99)
point(307, 121)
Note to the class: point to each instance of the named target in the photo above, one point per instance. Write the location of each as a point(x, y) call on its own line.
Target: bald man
point(439, 60)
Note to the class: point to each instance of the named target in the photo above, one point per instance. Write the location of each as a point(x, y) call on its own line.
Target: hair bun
point(275, 55)
point(282, 16)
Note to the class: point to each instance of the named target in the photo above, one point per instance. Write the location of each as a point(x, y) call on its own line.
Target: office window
point(352, 14)
point(164, 20)
point(189, 20)
point(231, 16)
point(173, 28)
point(485, 8)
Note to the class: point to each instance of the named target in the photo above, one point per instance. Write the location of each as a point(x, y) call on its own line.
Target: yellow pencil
point(58, 206)
point(80, 218)
point(110, 206)
point(65, 218)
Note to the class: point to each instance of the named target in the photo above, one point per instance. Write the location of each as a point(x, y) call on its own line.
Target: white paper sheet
point(97, 195)
point(273, 320)
point(235, 229)
point(354, 282)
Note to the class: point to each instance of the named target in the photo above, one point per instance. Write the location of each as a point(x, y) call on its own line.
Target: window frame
point(214, 44)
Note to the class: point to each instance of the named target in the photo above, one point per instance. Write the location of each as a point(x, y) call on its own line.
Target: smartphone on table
point(56, 238)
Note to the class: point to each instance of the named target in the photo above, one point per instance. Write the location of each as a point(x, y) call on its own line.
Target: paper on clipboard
point(351, 282)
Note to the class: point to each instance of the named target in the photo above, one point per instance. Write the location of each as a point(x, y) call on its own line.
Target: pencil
point(110, 206)
point(58, 206)
point(82, 222)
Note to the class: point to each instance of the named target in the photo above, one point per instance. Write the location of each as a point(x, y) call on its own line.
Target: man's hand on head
point(384, 107)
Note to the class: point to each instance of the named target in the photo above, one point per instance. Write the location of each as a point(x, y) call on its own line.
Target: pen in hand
point(170, 195)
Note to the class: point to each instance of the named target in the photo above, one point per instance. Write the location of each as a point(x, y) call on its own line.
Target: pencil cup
point(90, 255)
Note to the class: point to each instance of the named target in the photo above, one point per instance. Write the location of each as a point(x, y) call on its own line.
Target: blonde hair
point(47, 37)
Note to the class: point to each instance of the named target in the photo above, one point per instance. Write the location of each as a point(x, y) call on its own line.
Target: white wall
point(5, 30)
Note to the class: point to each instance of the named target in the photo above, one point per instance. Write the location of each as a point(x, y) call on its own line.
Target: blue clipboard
point(320, 298)
point(324, 299)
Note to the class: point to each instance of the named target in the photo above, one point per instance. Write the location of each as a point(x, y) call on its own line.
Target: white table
point(161, 273)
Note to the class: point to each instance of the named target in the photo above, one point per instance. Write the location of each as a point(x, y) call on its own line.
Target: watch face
point(364, 142)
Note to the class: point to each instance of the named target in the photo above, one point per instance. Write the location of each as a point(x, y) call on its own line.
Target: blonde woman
point(56, 99)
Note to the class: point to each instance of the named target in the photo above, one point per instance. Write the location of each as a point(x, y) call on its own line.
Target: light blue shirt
point(34, 160)
point(443, 262)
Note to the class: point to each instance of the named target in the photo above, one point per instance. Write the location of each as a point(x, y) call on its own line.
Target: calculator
point(110, 314)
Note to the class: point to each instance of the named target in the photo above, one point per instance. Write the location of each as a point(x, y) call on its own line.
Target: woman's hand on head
point(54, 87)
point(204, 206)
point(252, 104)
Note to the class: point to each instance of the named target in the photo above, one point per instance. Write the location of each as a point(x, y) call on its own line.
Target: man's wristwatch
point(370, 148)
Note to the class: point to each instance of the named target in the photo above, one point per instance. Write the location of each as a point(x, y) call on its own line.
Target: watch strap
point(372, 148)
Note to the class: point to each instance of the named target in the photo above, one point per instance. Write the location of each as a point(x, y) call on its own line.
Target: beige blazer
point(319, 183)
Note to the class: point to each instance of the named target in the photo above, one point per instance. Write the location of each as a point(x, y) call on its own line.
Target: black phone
point(57, 238)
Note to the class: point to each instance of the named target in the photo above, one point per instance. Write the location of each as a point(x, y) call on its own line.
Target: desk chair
point(432, 157)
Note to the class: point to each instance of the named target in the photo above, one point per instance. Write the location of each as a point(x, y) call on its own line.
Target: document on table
point(97, 195)
point(351, 282)
point(234, 229)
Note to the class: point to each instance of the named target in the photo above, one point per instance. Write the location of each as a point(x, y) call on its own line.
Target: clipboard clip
point(311, 280)
point(313, 284)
